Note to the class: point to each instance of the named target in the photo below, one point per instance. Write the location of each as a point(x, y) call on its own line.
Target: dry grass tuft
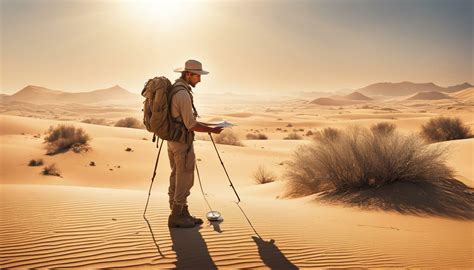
point(227, 137)
point(130, 122)
point(328, 133)
point(96, 121)
point(35, 162)
point(262, 176)
point(444, 129)
point(293, 136)
point(62, 138)
point(258, 136)
point(51, 170)
point(358, 158)
point(383, 128)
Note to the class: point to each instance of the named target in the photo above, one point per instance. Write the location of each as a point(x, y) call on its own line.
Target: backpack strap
point(179, 87)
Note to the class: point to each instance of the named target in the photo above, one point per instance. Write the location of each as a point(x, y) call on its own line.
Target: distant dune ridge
point(466, 95)
point(431, 95)
point(38, 94)
point(407, 88)
point(353, 98)
point(357, 96)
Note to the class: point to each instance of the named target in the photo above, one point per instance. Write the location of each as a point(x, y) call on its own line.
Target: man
point(181, 155)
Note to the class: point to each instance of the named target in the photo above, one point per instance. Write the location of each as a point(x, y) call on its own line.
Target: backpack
point(157, 118)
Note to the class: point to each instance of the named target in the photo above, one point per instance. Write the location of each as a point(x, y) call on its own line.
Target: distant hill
point(38, 94)
point(406, 88)
point(459, 87)
point(356, 96)
point(431, 95)
point(328, 101)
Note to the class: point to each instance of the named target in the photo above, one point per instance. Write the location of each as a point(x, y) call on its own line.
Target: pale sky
point(248, 46)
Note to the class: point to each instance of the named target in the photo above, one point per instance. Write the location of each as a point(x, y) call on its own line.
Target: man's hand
point(201, 127)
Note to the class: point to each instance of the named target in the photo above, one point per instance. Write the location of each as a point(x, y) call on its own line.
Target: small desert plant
point(61, 138)
point(383, 128)
point(328, 133)
point(289, 125)
point(35, 162)
point(309, 133)
point(445, 129)
point(228, 137)
point(95, 121)
point(358, 158)
point(293, 136)
point(130, 122)
point(51, 170)
point(262, 176)
point(128, 149)
point(92, 163)
point(259, 136)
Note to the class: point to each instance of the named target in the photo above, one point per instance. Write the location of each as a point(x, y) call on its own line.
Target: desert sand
point(91, 216)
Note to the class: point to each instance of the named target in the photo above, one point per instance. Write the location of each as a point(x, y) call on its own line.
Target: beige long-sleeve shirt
point(181, 106)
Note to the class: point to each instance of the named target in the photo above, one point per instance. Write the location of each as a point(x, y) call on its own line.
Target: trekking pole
point(222, 163)
point(202, 190)
point(154, 174)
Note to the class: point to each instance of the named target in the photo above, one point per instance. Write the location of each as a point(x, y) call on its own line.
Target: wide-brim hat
point(192, 66)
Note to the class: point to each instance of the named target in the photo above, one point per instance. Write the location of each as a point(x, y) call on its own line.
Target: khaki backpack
point(157, 118)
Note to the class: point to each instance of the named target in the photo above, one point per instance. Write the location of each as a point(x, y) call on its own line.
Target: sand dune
point(91, 217)
point(63, 227)
point(466, 95)
point(407, 88)
point(431, 95)
point(334, 102)
point(357, 96)
point(40, 95)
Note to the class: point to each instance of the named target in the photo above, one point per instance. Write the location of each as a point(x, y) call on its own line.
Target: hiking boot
point(194, 219)
point(179, 219)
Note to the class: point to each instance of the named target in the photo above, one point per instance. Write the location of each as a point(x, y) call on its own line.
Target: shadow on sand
point(449, 198)
point(153, 236)
point(271, 254)
point(191, 249)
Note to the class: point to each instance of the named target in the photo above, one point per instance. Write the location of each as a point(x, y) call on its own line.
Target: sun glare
point(162, 12)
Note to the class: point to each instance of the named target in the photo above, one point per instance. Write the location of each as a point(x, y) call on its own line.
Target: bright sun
point(161, 12)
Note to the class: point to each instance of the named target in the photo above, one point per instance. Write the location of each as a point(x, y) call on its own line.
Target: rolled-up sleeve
point(183, 104)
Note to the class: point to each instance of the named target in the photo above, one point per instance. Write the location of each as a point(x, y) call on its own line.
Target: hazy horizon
point(269, 46)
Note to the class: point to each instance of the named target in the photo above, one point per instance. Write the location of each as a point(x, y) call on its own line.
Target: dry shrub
point(444, 129)
point(51, 170)
point(309, 133)
point(259, 136)
point(262, 176)
point(130, 122)
point(383, 128)
point(327, 134)
point(293, 136)
point(228, 137)
point(358, 158)
point(96, 121)
point(61, 138)
point(35, 162)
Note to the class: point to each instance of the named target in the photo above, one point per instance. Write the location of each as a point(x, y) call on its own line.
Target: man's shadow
point(191, 249)
point(271, 254)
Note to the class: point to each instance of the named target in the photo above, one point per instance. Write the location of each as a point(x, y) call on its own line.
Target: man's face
point(194, 79)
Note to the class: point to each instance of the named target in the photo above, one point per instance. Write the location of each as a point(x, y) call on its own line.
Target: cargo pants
point(182, 163)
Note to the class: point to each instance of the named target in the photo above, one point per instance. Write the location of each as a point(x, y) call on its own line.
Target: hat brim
point(200, 72)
